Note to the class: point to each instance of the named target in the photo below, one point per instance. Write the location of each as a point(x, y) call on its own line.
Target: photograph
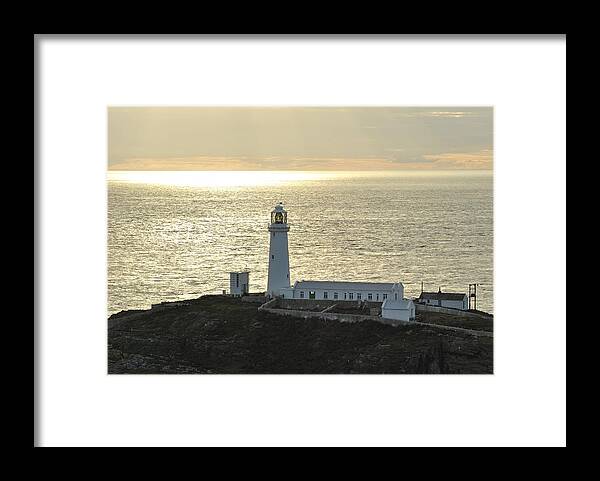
point(300, 240)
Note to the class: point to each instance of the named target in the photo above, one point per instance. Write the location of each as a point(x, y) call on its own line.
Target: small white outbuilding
point(452, 300)
point(400, 309)
point(239, 283)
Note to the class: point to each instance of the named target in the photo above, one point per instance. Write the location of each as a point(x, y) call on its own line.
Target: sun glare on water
point(214, 178)
point(250, 178)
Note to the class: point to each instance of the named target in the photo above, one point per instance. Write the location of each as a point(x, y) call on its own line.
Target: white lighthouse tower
point(279, 259)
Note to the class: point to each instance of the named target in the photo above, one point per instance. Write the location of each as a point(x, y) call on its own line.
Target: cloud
point(246, 163)
point(480, 160)
point(442, 114)
point(308, 138)
point(450, 114)
point(185, 163)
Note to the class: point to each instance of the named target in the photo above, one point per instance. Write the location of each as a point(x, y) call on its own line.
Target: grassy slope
point(456, 320)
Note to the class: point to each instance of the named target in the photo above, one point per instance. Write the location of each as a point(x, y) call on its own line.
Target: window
point(272, 256)
point(325, 295)
point(335, 295)
point(351, 295)
point(378, 296)
point(395, 296)
point(370, 296)
point(311, 294)
point(359, 296)
point(273, 234)
point(384, 297)
point(237, 280)
point(345, 295)
point(301, 294)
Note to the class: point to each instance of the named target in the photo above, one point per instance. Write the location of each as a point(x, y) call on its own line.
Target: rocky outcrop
point(219, 334)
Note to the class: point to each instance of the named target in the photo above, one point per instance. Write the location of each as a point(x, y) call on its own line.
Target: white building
point(239, 283)
point(344, 291)
point(452, 300)
point(401, 309)
point(279, 258)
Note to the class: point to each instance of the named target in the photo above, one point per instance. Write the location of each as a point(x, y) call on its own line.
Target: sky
point(300, 138)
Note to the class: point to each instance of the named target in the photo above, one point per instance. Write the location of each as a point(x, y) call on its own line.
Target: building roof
point(359, 286)
point(443, 296)
point(401, 304)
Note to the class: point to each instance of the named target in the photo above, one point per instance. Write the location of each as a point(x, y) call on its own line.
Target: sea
point(177, 235)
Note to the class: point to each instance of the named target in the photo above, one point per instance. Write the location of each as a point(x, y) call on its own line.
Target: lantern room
point(279, 214)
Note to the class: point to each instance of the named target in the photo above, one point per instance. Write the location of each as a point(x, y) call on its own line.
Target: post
point(473, 296)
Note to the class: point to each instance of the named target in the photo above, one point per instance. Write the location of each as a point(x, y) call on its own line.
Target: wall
point(312, 304)
point(255, 299)
point(456, 312)
point(398, 314)
point(454, 304)
point(304, 304)
point(457, 329)
point(334, 316)
point(462, 304)
point(311, 308)
point(287, 292)
point(328, 316)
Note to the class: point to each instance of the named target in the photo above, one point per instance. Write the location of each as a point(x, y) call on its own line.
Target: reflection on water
point(214, 178)
point(175, 235)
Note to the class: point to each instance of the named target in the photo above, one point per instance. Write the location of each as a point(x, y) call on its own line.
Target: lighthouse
point(279, 259)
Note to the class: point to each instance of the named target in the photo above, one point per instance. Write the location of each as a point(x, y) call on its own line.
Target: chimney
point(439, 290)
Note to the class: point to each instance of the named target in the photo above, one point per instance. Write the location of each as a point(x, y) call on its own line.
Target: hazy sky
point(299, 138)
